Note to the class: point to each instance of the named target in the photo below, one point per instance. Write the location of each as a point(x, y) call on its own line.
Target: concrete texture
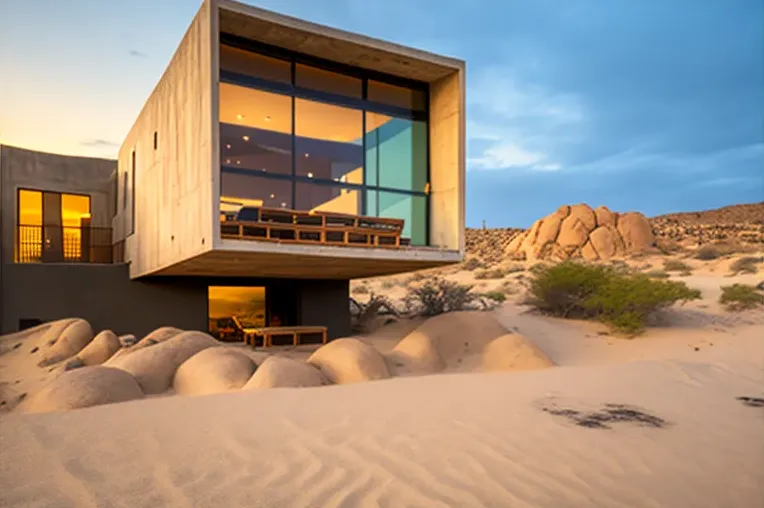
point(174, 207)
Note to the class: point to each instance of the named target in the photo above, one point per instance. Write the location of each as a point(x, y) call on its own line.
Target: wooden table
point(268, 332)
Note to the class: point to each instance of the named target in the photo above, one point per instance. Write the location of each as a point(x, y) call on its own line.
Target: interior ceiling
point(289, 265)
point(314, 43)
point(273, 112)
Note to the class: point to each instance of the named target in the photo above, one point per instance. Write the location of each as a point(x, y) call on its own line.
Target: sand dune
point(442, 441)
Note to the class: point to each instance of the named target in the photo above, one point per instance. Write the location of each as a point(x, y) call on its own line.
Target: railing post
point(85, 242)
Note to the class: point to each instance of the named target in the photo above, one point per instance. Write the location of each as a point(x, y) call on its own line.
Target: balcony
point(63, 244)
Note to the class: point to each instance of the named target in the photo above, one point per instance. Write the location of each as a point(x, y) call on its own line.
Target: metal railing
point(63, 244)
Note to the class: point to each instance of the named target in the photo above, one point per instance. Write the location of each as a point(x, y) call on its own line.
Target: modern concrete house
point(275, 161)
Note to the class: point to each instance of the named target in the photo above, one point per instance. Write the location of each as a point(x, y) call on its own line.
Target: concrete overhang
point(266, 259)
point(333, 44)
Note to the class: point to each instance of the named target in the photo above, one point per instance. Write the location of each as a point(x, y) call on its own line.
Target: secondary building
point(275, 161)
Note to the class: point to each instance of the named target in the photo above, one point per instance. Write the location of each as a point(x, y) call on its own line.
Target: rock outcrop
point(84, 387)
point(350, 361)
point(579, 231)
point(284, 372)
point(213, 370)
point(101, 348)
point(513, 352)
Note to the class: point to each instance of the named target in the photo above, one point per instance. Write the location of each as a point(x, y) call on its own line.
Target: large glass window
point(255, 129)
point(328, 142)
point(396, 152)
point(294, 134)
point(328, 198)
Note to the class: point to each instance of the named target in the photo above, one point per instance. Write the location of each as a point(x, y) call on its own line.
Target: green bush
point(437, 296)
point(708, 253)
point(674, 265)
point(497, 296)
point(657, 274)
point(739, 297)
point(622, 300)
point(746, 264)
point(388, 284)
point(493, 273)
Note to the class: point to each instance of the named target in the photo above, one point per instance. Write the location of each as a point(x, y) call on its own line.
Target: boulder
point(349, 361)
point(101, 348)
point(84, 387)
point(636, 232)
point(588, 252)
point(573, 232)
point(604, 216)
point(154, 367)
point(213, 370)
point(513, 352)
point(74, 336)
point(417, 354)
point(444, 341)
point(606, 242)
point(161, 334)
point(548, 231)
point(283, 372)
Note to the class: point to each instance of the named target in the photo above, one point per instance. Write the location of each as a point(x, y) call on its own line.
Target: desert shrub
point(668, 246)
point(473, 264)
point(514, 269)
point(388, 284)
point(675, 265)
point(746, 264)
point(739, 297)
point(493, 273)
point(415, 277)
point(657, 274)
point(497, 296)
point(708, 253)
point(622, 300)
point(437, 296)
point(361, 290)
point(507, 287)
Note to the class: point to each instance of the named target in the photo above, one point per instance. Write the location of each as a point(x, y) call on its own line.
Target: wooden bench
point(268, 332)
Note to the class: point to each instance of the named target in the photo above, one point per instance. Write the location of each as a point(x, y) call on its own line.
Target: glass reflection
point(328, 198)
point(396, 152)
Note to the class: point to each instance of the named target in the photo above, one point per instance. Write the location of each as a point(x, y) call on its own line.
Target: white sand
point(453, 439)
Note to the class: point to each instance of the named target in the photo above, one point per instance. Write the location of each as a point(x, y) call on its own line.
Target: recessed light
point(307, 155)
point(228, 146)
point(264, 170)
point(238, 162)
point(228, 161)
point(273, 196)
point(310, 175)
point(283, 205)
point(245, 138)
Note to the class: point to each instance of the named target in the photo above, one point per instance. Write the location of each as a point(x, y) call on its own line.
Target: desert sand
point(673, 418)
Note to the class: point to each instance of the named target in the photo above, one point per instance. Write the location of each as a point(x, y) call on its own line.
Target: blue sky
point(649, 105)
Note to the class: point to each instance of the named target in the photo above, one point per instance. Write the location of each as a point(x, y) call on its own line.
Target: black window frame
point(362, 104)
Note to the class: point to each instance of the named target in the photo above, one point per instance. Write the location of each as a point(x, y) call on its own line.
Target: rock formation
point(349, 361)
point(213, 370)
point(284, 372)
point(579, 231)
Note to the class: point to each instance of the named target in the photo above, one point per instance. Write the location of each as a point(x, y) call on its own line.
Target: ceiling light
point(238, 161)
point(245, 138)
point(336, 179)
point(307, 155)
point(273, 196)
point(310, 175)
point(228, 161)
point(264, 169)
point(228, 146)
point(283, 205)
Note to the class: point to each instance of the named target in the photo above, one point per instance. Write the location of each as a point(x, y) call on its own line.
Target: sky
point(648, 105)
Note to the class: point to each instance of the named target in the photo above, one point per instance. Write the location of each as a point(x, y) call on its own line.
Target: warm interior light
point(228, 146)
point(273, 196)
point(245, 138)
point(239, 116)
point(228, 161)
point(283, 205)
point(307, 155)
point(310, 175)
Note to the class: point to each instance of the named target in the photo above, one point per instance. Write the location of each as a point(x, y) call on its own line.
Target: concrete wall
point(102, 294)
point(447, 162)
point(27, 169)
point(107, 297)
point(173, 195)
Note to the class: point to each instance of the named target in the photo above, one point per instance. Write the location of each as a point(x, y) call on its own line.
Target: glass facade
point(306, 135)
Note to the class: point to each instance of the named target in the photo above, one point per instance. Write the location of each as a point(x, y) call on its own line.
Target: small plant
point(746, 264)
point(497, 296)
point(708, 253)
point(507, 287)
point(739, 297)
point(623, 300)
point(416, 277)
point(388, 284)
point(514, 269)
point(493, 273)
point(657, 274)
point(437, 296)
point(363, 289)
point(473, 264)
point(675, 265)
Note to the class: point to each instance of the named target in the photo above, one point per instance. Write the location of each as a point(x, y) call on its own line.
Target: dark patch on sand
point(609, 414)
point(751, 401)
point(34, 350)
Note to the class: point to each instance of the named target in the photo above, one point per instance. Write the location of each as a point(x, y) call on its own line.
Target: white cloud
point(505, 156)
